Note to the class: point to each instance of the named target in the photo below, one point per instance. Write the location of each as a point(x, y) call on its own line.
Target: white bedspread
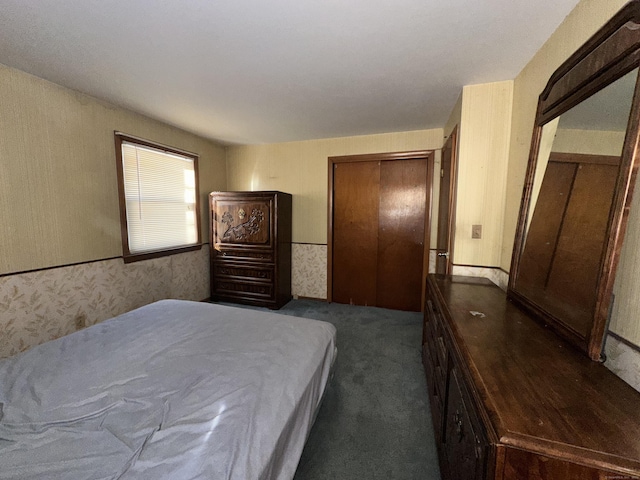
point(173, 390)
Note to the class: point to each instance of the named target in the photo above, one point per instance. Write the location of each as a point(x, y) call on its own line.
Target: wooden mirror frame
point(608, 55)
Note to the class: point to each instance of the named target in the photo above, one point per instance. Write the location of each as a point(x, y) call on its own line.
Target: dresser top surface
point(537, 391)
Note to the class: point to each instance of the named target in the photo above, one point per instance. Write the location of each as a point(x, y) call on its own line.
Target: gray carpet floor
point(374, 422)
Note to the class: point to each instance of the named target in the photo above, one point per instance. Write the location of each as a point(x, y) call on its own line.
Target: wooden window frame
point(127, 255)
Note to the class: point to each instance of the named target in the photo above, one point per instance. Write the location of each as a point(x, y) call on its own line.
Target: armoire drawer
point(228, 271)
point(241, 254)
point(229, 287)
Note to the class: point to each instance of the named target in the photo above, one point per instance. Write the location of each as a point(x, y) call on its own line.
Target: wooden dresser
point(251, 247)
point(512, 401)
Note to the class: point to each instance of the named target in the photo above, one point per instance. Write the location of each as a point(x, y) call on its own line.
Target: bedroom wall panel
point(58, 189)
point(483, 147)
point(625, 315)
point(59, 206)
point(300, 168)
point(309, 270)
point(43, 305)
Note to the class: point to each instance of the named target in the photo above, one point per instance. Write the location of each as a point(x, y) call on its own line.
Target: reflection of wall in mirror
point(625, 317)
point(625, 314)
point(546, 145)
point(590, 142)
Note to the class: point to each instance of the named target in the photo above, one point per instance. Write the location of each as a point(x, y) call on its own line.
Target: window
point(158, 188)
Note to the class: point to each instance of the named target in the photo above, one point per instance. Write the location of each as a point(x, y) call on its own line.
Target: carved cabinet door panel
point(241, 222)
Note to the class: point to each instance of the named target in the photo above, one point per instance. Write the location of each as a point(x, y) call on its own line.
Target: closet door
point(355, 232)
point(378, 232)
point(401, 224)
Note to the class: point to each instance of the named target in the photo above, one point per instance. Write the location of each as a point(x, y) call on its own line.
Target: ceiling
point(250, 71)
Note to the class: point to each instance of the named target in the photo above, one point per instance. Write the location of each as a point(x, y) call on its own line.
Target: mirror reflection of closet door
point(566, 238)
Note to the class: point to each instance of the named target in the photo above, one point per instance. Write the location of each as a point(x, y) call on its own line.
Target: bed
point(173, 390)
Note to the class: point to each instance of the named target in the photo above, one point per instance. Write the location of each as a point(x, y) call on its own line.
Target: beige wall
point(59, 206)
point(625, 314)
point(625, 318)
point(301, 168)
point(58, 187)
point(588, 142)
point(580, 24)
point(483, 146)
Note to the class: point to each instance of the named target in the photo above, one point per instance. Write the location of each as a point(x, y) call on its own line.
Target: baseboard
point(299, 297)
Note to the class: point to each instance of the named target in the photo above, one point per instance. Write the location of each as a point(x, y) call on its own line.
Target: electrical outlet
point(476, 231)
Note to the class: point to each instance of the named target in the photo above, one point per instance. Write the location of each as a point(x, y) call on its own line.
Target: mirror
point(574, 183)
point(578, 182)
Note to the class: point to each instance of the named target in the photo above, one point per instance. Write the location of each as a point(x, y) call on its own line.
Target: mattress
point(173, 390)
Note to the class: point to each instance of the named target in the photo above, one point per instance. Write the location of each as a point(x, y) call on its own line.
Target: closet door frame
point(429, 156)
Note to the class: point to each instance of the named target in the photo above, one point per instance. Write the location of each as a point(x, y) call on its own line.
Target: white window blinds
point(160, 196)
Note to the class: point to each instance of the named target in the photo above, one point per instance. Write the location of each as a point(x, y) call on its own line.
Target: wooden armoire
point(251, 247)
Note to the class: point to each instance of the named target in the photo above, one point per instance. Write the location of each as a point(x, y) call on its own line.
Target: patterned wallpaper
point(309, 270)
point(39, 306)
point(623, 360)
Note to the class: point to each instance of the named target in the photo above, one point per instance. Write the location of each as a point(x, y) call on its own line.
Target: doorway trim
point(429, 156)
point(452, 139)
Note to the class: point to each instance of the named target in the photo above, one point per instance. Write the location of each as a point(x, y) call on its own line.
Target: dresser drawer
point(430, 341)
point(434, 333)
point(228, 270)
point(466, 444)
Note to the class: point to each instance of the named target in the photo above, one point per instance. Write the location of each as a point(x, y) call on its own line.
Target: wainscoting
point(623, 360)
point(39, 306)
point(309, 270)
point(497, 276)
point(42, 305)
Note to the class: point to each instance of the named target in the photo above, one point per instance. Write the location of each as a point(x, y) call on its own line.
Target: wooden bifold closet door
point(378, 232)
